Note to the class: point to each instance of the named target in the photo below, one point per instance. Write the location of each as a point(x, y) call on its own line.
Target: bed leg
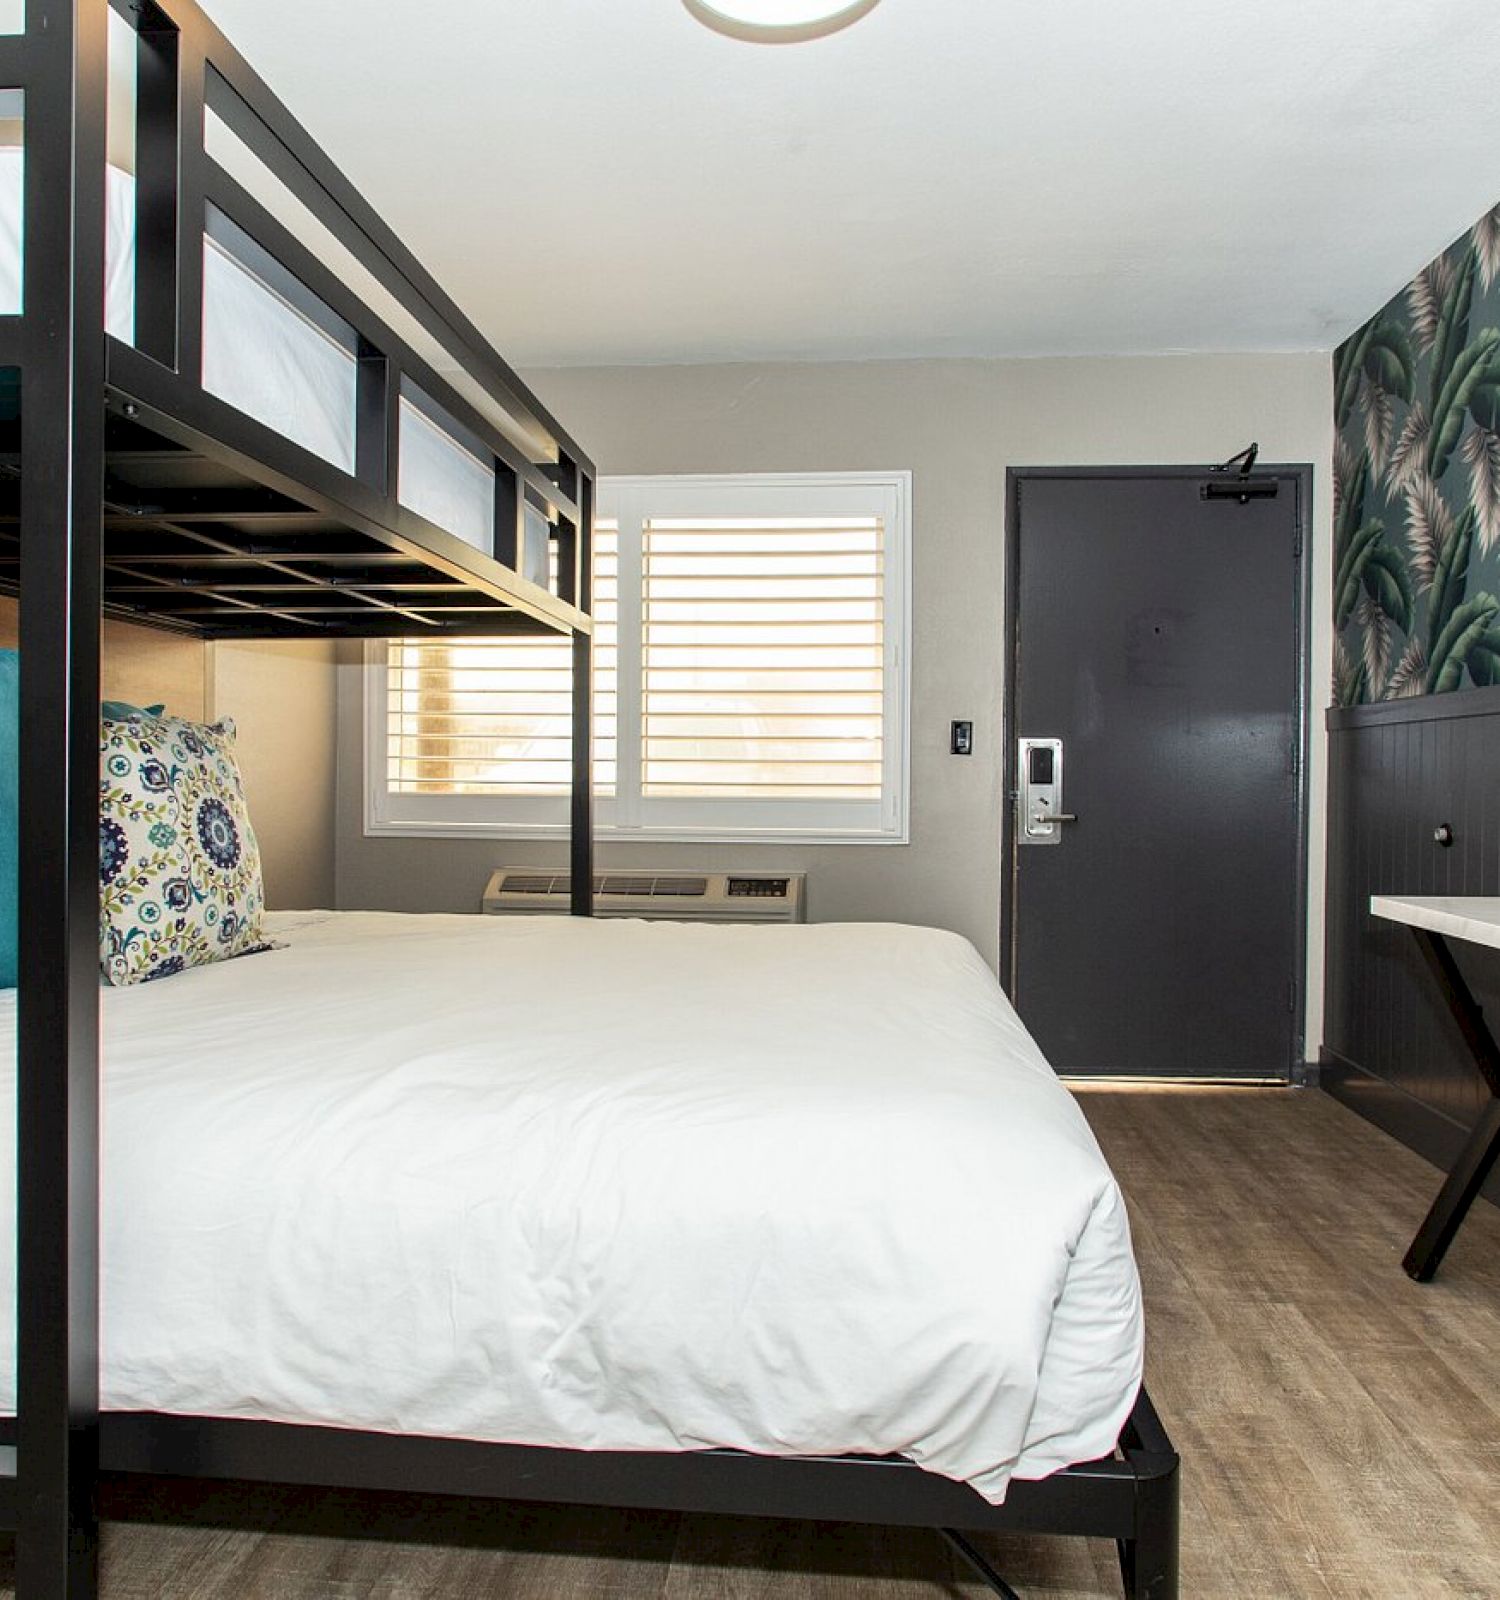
point(978, 1564)
point(1148, 1562)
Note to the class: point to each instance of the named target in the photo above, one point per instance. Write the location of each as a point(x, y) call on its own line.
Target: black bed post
point(1149, 1558)
point(581, 855)
point(58, 1037)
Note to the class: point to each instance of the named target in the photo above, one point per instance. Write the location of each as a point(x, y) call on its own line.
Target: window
point(749, 677)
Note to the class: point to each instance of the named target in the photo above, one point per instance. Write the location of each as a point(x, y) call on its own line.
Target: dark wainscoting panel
point(1396, 772)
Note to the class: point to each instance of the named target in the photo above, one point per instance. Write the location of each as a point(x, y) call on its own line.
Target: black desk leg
point(1479, 1154)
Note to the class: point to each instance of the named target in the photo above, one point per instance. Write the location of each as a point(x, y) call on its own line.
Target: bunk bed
point(147, 473)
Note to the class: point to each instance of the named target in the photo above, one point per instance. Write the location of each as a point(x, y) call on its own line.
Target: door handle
point(1057, 816)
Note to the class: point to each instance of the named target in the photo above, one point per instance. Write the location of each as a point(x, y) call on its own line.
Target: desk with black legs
point(1434, 920)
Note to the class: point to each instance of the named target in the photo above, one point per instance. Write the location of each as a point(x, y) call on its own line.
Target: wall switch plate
point(961, 739)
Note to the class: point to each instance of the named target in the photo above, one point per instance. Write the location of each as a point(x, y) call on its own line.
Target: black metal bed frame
point(127, 489)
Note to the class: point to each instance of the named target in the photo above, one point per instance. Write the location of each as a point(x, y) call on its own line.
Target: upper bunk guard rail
point(125, 485)
point(258, 117)
point(187, 76)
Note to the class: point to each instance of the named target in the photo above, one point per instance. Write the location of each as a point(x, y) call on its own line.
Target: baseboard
point(1433, 1136)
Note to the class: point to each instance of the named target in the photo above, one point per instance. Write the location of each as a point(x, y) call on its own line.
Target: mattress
point(611, 1185)
point(120, 248)
point(267, 359)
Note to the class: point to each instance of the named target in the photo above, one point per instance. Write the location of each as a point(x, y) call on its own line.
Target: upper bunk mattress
point(608, 1184)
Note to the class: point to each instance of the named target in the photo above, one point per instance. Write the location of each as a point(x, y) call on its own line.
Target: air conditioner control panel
point(758, 888)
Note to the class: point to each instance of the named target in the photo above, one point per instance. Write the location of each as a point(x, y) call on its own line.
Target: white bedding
point(609, 1184)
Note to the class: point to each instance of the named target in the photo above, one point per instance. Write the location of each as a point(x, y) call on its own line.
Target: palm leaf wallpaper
point(1416, 483)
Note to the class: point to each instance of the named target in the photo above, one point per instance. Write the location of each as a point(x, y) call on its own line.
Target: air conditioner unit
point(663, 896)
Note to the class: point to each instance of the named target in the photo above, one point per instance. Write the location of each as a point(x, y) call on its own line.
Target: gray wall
point(957, 425)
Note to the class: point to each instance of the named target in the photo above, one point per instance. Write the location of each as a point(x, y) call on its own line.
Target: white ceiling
point(606, 181)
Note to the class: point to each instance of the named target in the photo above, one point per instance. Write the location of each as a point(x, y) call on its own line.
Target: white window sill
point(604, 834)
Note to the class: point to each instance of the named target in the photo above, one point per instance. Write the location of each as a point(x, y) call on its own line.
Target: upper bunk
point(304, 436)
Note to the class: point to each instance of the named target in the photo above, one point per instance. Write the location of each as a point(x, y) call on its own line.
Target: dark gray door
point(1157, 636)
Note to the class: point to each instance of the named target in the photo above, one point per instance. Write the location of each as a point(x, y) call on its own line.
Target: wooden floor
point(1339, 1425)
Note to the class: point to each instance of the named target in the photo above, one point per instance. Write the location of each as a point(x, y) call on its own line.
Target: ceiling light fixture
point(778, 21)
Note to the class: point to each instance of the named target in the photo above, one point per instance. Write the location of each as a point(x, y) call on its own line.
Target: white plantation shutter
point(750, 677)
point(763, 652)
point(494, 716)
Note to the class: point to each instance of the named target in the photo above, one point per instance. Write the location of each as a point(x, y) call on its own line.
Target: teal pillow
point(118, 710)
point(10, 767)
point(10, 744)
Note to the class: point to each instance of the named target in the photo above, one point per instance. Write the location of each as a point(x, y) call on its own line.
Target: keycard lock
point(1039, 792)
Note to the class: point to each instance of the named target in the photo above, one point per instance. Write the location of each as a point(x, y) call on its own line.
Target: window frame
point(628, 500)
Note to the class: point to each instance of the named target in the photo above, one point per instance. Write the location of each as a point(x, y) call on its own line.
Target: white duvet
point(609, 1184)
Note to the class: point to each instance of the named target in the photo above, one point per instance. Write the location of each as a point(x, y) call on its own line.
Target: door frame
point(1300, 477)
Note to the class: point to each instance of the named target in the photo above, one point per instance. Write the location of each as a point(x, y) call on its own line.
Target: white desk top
point(1475, 917)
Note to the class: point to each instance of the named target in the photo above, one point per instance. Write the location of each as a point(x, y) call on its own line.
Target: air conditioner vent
point(676, 896)
point(626, 886)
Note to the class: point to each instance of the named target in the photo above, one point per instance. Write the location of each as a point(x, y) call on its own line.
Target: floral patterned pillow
point(179, 869)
